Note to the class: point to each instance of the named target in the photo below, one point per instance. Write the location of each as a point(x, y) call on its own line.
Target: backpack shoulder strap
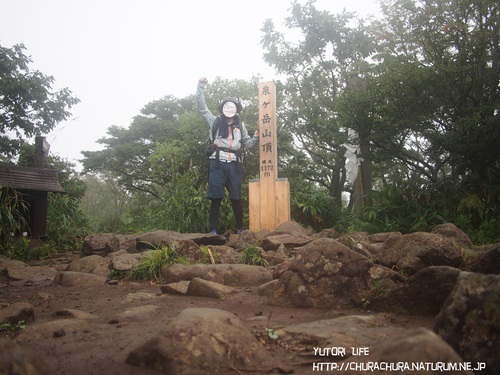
point(215, 128)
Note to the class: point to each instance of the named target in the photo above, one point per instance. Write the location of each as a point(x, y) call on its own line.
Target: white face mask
point(229, 109)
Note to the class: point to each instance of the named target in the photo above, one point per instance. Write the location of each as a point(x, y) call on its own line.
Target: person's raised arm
point(200, 102)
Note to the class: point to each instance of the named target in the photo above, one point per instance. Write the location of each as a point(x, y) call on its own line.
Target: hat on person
point(239, 107)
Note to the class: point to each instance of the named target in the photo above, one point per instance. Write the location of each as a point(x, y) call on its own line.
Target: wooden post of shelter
point(269, 196)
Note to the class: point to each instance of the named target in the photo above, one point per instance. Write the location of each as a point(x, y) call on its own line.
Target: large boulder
point(487, 260)
point(411, 252)
point(104, 243)
point(226, 274)
point(451, 231)
point(95, 264)
point(204, 341)
point(81, 279)
point(17, 360)
point(161, 238)
point(421, 350)
point(290, 241)
point(423, 294)
point(204, 288)
point(123, 261)
point(326, 274)
point(470, 319)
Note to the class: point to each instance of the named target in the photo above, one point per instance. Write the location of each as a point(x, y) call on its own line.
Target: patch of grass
point(12, 327)
point(376, 290)
point(209, 255)
point(117, 274)
point(149, 268)
point(252, 255)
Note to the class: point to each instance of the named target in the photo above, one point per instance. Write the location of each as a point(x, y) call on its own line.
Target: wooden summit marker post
point(269, 197)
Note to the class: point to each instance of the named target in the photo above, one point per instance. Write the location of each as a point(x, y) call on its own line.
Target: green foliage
point(13, 224)
point(67, 224)
point(7, 326)
point(28, 105)
point(106, 205)
point(405, 210)
point(208, 255)
point(20, 249)
point(418, 87)
point(149, 268)
point(252, 255)
point(12, 216)
point(313, 207)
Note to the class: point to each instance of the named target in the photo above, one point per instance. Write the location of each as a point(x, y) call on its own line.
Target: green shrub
point(252, 255)
point(149, 268)
point(12, 217)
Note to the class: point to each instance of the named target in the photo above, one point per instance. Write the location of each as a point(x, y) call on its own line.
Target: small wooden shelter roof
point(24, 178)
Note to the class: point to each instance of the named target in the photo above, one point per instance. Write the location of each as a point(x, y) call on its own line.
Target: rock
point(451, 231)
point(226, 274)
point(382, 237)
point(244, 240)
point(71, 278)
point(487, 260)
point(267, 289)
point(327, 274)
point(39, 275)
point(186, 248)
point(17, 312)
point(205, 239)
point(292, 227)
point(281, 268)
point(75, 314)
point(353, 238)
point(203, 288)
point(344, 332)
point(35, 332)
point(104, 243)
point(290, 241)
point(410, 265)
point(431, 249)
point(5, 262)
point(326, 233)
point(423, 294)
point(161, 238)
point(470, 319)
point(94, 264)
point(179, 288)
point(17, 360)
point(203, 341)
point(223, 254)
point(123, 261)
point(277, 257)
point(140, 297)
point(138, 313)
point(419, 347)
point(156, 239)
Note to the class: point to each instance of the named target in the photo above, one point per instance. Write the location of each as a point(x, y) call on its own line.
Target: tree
point(419, 88)
point(330, 54)
point(28, 106)
point(440, 73)
point(128, 151)
point(159, 160)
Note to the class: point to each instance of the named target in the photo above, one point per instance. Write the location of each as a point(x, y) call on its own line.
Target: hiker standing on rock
point(228, 135)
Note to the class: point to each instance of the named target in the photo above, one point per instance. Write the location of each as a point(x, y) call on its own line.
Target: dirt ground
point(102, 346)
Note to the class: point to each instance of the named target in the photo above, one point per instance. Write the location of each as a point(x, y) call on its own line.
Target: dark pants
point(221, 176)
point(213, 219)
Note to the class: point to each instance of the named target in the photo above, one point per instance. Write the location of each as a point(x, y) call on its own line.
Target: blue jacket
point(240, 134)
